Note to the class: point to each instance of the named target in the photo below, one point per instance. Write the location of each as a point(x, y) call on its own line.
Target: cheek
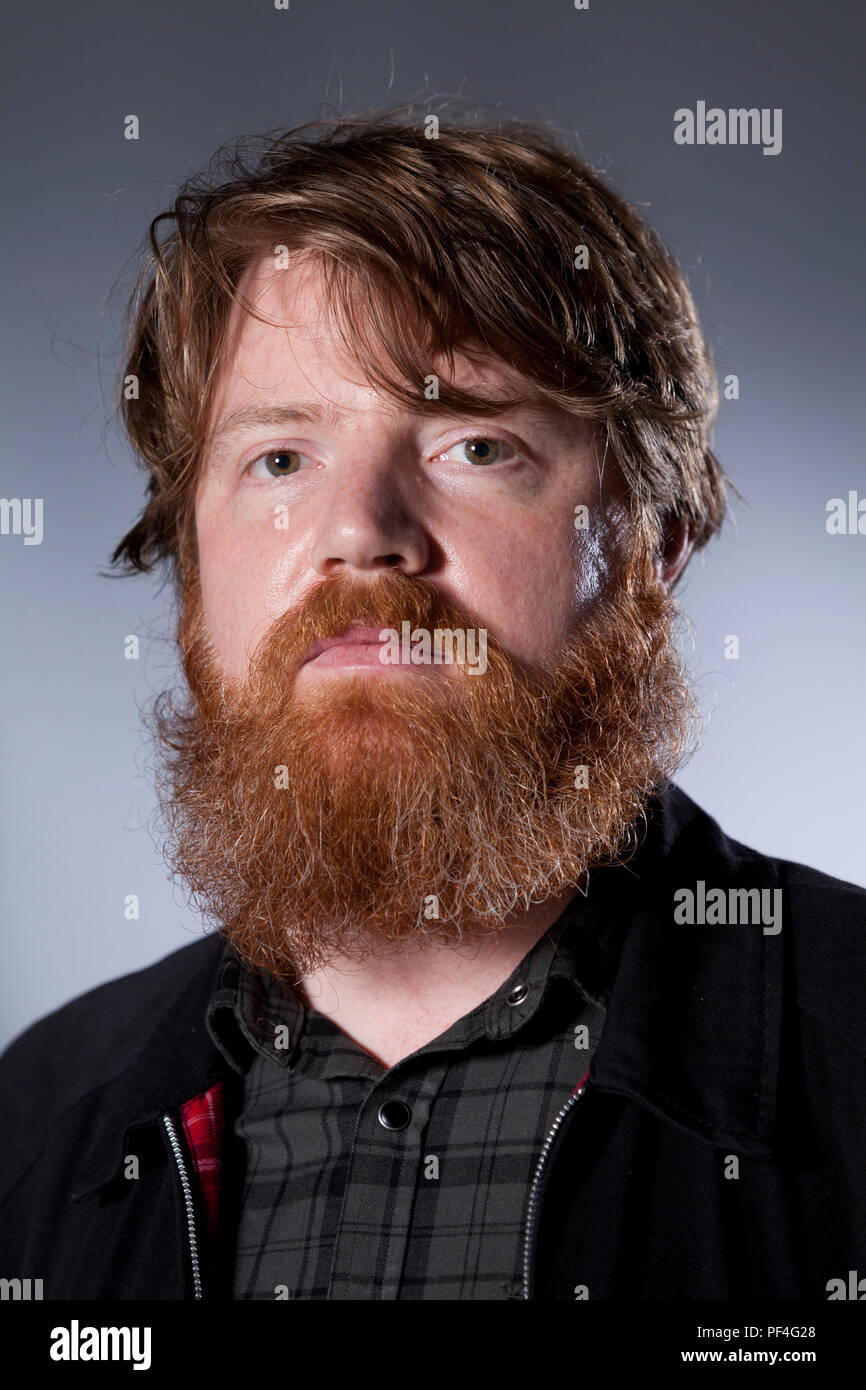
point(588, 570)
point(524, 590)
point(596, 551)
point(538, 588)
point(231, 567)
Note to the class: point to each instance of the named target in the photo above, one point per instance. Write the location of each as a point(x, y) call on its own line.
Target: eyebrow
point(301, 412)
point(311, 412)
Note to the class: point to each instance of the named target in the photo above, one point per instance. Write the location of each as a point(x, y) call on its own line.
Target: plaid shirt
point(408, 1182)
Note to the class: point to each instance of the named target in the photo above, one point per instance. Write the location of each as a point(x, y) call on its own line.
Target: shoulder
point(690, 834)
point(99, 1035)
point(823, 918)
point(826, 918)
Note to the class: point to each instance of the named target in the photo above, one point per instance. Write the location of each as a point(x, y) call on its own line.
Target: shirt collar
point(251, 1012)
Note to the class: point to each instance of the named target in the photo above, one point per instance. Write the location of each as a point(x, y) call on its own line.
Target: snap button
point(517, 995)
point(394, 1114)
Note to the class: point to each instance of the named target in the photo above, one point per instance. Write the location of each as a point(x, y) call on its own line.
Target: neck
point(393, 1003)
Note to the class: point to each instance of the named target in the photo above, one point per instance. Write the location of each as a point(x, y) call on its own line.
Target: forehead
point(296, 345)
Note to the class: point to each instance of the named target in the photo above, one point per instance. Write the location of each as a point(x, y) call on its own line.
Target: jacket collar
point(176, 1061)
point(693, 1020)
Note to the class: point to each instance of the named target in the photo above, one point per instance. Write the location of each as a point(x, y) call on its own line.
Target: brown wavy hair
point(472, 236)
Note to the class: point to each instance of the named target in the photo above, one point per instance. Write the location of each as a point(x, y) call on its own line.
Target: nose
point(366, 523)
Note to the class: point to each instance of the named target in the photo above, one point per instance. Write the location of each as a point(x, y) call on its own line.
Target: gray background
point(773, 249)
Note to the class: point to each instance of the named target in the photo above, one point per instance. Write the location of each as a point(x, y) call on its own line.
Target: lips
point(356, 636)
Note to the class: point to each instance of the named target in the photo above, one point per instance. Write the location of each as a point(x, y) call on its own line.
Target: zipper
point(532, 1205)
point(187, 1197)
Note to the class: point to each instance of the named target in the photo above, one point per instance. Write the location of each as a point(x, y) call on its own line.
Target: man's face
point(323, 803)
point(369, 485)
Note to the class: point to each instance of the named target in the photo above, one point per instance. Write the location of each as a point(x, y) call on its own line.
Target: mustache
point(339, 602)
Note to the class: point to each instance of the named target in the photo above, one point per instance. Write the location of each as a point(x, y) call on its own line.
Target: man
point(493, 1010)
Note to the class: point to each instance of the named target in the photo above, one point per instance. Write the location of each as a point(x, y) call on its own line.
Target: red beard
point(372, 809)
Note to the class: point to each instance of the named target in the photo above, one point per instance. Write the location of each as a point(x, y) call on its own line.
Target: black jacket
point(716, 1151)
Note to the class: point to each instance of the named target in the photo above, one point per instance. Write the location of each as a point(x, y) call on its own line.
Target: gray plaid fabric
point(411, 1182)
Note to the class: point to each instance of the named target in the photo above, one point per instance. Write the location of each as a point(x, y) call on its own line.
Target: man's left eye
point(481, 450)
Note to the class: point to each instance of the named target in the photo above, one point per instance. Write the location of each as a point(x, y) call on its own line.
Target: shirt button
point(517, 995)
point(394, 1114)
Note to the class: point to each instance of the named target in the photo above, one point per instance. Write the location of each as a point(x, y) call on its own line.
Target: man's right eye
point(279, 463)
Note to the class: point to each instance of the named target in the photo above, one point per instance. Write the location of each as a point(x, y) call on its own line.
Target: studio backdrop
point(108, 108)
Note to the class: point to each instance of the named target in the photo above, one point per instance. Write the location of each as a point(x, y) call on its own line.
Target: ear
point(677, 546)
